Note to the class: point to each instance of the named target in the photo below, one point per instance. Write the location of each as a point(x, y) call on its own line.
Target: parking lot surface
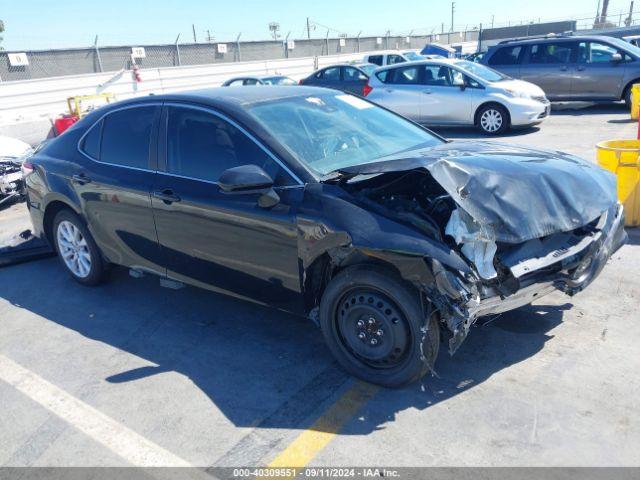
point(133, 374)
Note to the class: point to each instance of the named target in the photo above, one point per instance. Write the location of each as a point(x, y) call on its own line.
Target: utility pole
point(629, 21)
point(603, 14)
point(193, 27)
point(308, 30)
point(453, 11)
point(493, 17)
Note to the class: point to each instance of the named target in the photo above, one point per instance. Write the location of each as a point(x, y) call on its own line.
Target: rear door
point(597, 76)
point(216, 240)
point(328, 78)
point(550, 65)
point(353, 80)
point(115, 185)
point(402, 91)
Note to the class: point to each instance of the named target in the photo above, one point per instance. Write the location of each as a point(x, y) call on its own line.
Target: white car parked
point(458, 92)
point(392, 57)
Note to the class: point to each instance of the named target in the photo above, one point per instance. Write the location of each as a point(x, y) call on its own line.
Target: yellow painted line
point(310, 442)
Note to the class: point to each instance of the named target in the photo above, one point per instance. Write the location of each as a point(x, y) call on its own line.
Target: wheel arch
point(627, 87)
point(476, 115)
point(53, 207)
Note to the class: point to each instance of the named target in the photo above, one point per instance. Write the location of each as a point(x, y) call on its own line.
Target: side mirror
point(458, 81)
point(245, 178)
point(616, 58)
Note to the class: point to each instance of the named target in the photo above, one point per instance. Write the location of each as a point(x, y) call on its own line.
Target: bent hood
point(514, 194)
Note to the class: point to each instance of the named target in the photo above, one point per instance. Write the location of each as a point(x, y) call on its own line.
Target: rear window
point(91, 143)
point(507, 56)
point(126, 136)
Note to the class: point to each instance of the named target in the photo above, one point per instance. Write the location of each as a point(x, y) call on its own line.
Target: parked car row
point(510, 85)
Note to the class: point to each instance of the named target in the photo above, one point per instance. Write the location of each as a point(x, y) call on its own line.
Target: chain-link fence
point(96, 59)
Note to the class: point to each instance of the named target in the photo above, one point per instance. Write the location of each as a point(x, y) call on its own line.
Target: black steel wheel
point(376, 326)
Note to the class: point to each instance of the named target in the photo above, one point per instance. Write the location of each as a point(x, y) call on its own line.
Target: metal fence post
point(178, 50)
point(327, 42)
point(97, 50)
point(358, 41)
point(238, 54)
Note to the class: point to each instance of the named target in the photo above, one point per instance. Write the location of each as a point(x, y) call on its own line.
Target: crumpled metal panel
point(514, 193)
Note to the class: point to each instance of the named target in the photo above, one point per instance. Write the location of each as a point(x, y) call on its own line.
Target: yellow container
point(622, 157)
point(635, 101)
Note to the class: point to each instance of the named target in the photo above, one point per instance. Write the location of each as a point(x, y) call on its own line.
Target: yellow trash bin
point(635, 101)
point(622, 157)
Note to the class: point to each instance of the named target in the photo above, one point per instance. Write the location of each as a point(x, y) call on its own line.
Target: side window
point(436, 75)
point(251, 81)
point(126, 135)
point(551, 53)
point(351, 74)
point(507, 56)
point(201, 145)
point(331, 74)
point(406, 76)
point(91, 143)
point(237, 83)
point(393, 59)
point(376, 59)
point(385, 76)
point(596, 52)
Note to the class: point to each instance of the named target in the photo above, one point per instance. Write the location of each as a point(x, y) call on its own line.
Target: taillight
point(367, 89)
point(27, 168)
point(301, 81)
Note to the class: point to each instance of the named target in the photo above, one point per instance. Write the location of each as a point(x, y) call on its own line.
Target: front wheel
point(493, 119)
point(375, 326)
point(77, 249)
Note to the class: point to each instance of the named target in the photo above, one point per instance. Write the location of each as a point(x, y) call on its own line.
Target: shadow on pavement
point(260, 367)
point(459, 133)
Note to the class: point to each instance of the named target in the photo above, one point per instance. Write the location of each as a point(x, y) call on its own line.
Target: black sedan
point(351, 78)
point(320, 203)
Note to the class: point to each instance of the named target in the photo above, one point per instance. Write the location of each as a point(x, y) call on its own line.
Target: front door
point(444, 103)
point(221, 241)
point(598, 75)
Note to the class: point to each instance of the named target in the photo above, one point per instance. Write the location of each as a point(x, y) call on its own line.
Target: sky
point(45, 24)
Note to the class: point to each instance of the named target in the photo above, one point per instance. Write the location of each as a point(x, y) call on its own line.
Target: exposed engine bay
point(11, 182)
point(505, 275)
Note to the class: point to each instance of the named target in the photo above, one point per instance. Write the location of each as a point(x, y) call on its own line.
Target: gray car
point(348, 77)
point(259, 80)
point(568, 68)
point(457, 92)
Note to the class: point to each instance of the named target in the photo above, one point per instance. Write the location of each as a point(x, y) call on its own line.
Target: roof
point(554, 38)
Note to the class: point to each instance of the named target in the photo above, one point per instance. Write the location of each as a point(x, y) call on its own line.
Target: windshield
point(329, 132)
point(413, 56)
point(479, 70)
point(629, 47)
point(279, 81)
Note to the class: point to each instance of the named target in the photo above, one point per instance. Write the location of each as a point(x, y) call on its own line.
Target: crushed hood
point(515, 194)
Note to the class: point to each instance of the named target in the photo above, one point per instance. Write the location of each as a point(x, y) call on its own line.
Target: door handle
point(81, 179)
point(427, 92)
point(389, 90)
point(581, 69)
point(563, 69)
point(167, 196)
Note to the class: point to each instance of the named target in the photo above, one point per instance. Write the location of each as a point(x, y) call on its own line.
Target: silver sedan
point(457, 92)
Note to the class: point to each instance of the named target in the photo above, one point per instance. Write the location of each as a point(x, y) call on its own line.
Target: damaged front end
point(527, 223)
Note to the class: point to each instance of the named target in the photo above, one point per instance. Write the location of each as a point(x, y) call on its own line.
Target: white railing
point(44, 99)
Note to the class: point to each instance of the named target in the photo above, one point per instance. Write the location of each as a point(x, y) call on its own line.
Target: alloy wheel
point(74, 249)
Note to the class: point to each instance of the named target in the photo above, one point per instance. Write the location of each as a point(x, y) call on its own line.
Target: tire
point(627, 97)
point(77, 249)
point(493, 119)
point(374, 326)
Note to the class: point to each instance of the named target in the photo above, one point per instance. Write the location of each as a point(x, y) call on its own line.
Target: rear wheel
point(375, 327)
point(77, 249)
point(493, 119)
